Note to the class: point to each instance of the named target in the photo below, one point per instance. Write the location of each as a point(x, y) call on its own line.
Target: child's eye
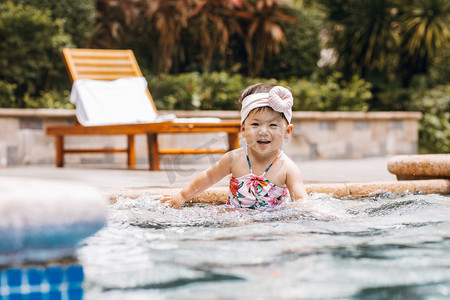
point(273, 125)
point(255, 124)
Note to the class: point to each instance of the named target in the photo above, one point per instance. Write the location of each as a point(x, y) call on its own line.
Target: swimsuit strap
point(250, 166)
point(276, 158)
point(248, 160)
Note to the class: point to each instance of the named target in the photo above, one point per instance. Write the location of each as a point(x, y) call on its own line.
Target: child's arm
point(201, 182)
point(294, 182)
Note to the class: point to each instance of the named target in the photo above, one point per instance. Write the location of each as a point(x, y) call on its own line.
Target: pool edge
point(219, 195)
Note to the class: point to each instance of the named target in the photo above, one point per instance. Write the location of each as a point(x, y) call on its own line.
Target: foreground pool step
point(42, 220)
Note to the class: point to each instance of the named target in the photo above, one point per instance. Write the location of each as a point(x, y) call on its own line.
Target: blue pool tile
point(65, 283)
point(14, 277)
point(54, 295)
point(54, 275)
point(35, 296)
point(35, 277)
point(74, 274)
point(15, 296)
point(75, 293)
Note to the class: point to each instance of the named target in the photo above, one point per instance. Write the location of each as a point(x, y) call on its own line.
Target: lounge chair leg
point(153, 152)
point(233, 141)
point(59, 147)
point(131, 151)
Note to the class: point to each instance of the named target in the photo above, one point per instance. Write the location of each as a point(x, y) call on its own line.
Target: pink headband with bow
point(278, 98)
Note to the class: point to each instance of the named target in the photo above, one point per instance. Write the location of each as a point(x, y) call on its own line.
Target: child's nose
point(263, 130)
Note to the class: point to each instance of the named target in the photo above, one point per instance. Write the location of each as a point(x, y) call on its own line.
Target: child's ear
point(242, 130)
point(288, 132)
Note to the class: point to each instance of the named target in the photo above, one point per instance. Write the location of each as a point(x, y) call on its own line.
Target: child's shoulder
point(237, 161)
point(286, 158)
point(236, 153)
point(232, 156)
point(289, 165)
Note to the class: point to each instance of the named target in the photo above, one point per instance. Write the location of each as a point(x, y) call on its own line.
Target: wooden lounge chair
point(101, 64)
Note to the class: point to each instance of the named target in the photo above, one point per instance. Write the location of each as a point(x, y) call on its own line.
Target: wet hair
point(258, 88)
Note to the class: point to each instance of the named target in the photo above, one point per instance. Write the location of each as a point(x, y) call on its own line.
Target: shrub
point(7, 98)
point(220, 91)
point(191, 35)
point(334, 93)
point(30, 49)
point(299, 54)
point(51, 99)
point(77, 16)
point(434, 128)
point(191, 91)
point(174, 92)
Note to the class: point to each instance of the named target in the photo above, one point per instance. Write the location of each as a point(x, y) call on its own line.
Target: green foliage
point(434, 103)
point(174, 92)
point(363, 33)
point(440, 70)
point(426, 30)
point(51, 99)
point(303, 4)
point(30, 49)
point(220, 91)
point(298, 56)
point(388, 95)
point(434, 128)
point(334, 93)
point(7, 98)
point(191, 91)
point(77, 17)
point(215, 35)
point(399, 38)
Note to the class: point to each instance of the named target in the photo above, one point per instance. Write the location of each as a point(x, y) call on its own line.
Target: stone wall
point(317, 135)
point(342, 135)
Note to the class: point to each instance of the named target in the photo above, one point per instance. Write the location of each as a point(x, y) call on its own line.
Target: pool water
point(382, 247)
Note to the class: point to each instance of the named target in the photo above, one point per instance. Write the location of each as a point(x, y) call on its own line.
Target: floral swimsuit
point(255, 192)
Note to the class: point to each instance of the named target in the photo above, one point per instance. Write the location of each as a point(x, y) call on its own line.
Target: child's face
point(265, 130)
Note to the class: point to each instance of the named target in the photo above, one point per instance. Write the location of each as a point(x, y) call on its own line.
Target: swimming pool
point(386, 246)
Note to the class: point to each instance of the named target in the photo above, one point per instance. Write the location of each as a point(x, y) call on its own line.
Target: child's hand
point(175, 200)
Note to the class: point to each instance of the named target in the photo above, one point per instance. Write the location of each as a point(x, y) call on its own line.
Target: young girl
point(262, 175)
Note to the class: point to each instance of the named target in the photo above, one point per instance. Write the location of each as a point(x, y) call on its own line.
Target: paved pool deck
point(108, 177)
point(339, 178)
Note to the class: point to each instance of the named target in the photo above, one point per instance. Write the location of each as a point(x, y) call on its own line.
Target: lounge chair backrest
point(102, 64)
point(107, 64)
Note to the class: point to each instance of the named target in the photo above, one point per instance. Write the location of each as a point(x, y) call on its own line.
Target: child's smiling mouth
point(263, 142)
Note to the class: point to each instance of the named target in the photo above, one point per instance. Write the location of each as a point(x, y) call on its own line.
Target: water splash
point(385, 240)
point(147, 211)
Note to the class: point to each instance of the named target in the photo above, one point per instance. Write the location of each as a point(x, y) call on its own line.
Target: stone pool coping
point(431, 174)
point(415, 167)
point(218, 195)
